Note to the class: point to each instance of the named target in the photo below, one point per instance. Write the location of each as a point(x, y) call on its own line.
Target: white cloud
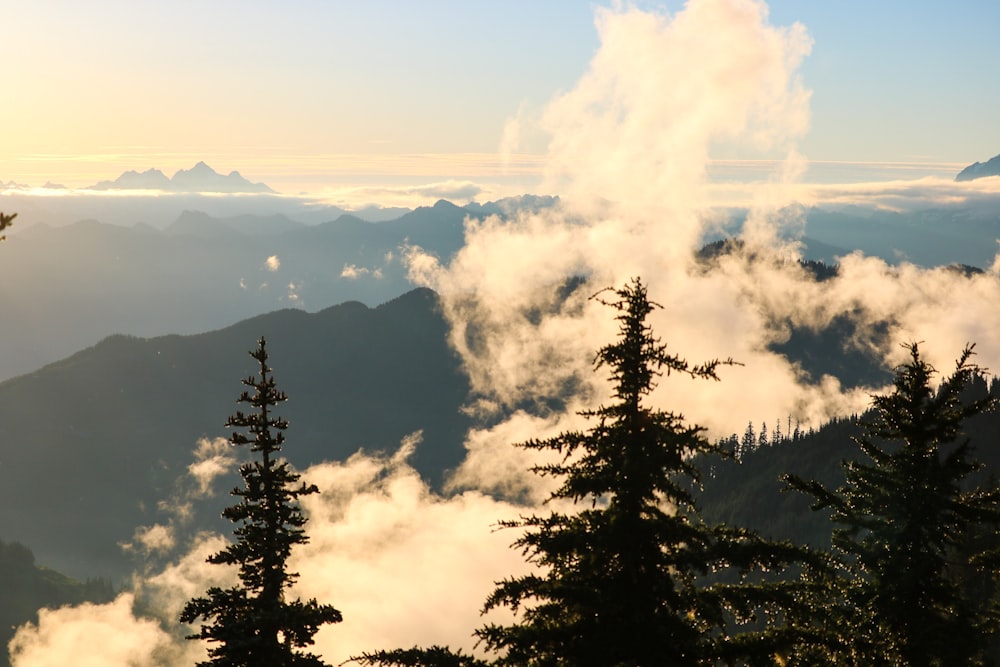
point(353, 271)
point(97, 636)
point(403, 564)
point(213, 457)
point(272, 263)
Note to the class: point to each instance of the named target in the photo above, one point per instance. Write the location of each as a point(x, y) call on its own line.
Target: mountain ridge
point(199, 178)
point(96, 440)
point(980, 170)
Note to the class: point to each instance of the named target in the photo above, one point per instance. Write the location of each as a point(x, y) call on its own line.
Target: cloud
point(96, 636)
point(404, 565)
point(353, 271)
point(629, 155)
point(272, 263)
point(213, 457)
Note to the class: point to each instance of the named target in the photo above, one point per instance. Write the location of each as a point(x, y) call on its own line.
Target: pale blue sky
point(303, 94)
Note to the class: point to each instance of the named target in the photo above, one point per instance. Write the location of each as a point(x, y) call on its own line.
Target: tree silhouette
point(909, 520)
point(5, 222)
point(251, 624)
point(635, 577)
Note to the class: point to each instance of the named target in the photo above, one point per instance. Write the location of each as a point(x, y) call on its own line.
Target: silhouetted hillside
point(92, 443)
point(748, 492)
point(25, 588)
point(980, 169)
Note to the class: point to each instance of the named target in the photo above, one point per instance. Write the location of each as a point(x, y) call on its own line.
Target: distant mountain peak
point(199, 178)
point(980, 169)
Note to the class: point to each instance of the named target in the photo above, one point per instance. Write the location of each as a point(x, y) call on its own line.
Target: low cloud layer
point(403, 564)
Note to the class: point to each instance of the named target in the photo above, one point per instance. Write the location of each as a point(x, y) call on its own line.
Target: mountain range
point(199, 178)
point(66, 287)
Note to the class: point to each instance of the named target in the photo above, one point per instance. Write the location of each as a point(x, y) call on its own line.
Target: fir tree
point(908, 522)
point(633, 579)
point(625, 581)
point(252, 624)
point(749, 441)
point(5, 222)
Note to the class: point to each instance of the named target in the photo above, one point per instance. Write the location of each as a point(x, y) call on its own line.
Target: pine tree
point(251, 624)
point(908, 522)
point(626, 580)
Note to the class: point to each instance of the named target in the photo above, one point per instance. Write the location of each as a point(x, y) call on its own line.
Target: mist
point(630, 149)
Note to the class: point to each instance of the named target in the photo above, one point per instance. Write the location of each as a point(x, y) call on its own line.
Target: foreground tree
point(625, 581)
point(251, 624)
point(909, 521)
point(5, 222)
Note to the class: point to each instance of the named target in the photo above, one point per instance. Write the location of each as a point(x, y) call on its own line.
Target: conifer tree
point(908, 521)
point(623, 582)
point(5, 222)
point(632, 578)
point(252, 624)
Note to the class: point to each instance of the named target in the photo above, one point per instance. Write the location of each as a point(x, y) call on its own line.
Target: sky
point(628, 113)
point(344, 97)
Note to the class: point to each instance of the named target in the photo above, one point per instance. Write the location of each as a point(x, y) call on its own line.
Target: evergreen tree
point(5, 222)
point(763, 440)
point(908, 522)
point(625, 580)
point(749, 441)
point(251, 624)
point(634, 578)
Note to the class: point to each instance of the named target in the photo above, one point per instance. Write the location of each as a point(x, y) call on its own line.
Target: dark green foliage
point(912, 531)
point(5, 222)
point(624, 581)
point(252, 624)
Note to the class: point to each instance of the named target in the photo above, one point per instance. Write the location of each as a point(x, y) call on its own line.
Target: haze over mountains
point(67, 287)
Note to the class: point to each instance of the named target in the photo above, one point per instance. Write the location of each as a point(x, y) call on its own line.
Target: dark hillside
point(93, 442)
point(748, 492)
point(25, 588)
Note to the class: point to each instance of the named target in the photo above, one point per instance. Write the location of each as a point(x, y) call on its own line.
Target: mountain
point(151, 179)
point(200, 178)
point(93, 443)
point(64, 288)
point(748, 491)
point(197, 223)
point(980, 169)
